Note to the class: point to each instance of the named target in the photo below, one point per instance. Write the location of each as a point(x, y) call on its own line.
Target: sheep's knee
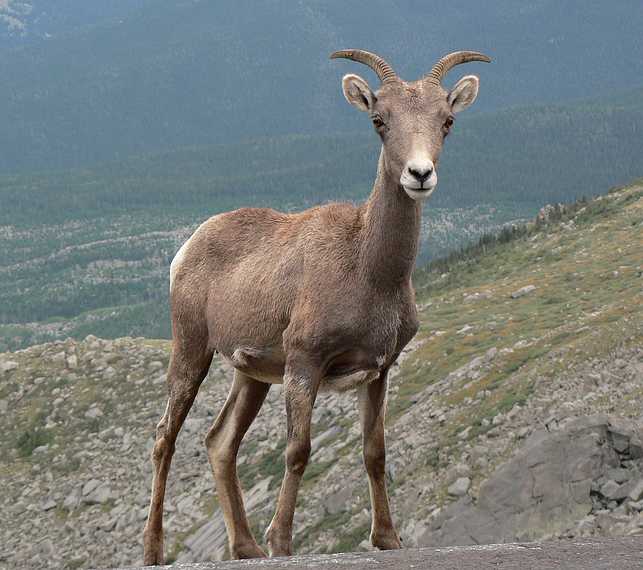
point(220, 452)
point(297, 455)
point(375, 462)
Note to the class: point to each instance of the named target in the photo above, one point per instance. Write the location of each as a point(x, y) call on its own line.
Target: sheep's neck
point(392, 223)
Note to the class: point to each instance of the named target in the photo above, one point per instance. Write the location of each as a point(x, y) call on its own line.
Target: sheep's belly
point(348, 381)
point(268, 366)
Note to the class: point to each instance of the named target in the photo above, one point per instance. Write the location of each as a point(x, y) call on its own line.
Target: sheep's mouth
point(419, 193)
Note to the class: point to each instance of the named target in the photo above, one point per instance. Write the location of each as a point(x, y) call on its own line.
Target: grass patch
point(351, 539)
point(32, 438)
point(314, 470)
point(271, 464)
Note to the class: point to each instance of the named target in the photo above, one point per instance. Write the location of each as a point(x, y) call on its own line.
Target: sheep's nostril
point(420, 175)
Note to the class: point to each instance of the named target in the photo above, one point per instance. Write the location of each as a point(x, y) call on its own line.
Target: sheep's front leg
point(372, 407)
point(300, 391)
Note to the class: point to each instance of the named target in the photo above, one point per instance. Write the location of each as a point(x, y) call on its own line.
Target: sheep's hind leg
point(241, 408)
point(188, 367)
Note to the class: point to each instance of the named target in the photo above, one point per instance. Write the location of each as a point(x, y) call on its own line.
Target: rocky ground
point(516, 414)
point(86, 482)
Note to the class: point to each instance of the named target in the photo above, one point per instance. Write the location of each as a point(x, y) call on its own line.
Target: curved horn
point(375, 62)
point(441, 68)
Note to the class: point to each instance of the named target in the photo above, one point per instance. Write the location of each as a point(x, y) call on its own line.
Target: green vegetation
point(32, 438)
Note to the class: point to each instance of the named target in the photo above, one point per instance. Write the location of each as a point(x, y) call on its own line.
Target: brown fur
point(317, 300)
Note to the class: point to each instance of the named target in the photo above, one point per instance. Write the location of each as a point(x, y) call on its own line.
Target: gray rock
point(621, 442)
point(523, 291)
point(460, 487)
point(585, 526)
point(479, 451)
point(93, 413)
point(48, 505)
point(59, 358)
point(635, 506)
point(612, 491)
point(186, 505)
point(332, 432)
point(636, 447)
point(72, 500)
point(338, 501)
point(90, 486)
point(98, 495)
point(209, 542)
point(636, 492)
point(109, 372)
point(619, 474)
point(8, 366)
point(481, 462)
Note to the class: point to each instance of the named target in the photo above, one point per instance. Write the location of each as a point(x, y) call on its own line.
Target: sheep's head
point(411, 118)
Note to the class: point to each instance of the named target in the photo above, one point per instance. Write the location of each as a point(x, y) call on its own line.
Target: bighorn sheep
point(320, 299)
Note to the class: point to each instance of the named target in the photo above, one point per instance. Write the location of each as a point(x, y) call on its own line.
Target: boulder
point(543, 490)
point(612, 491)
point(460, 487)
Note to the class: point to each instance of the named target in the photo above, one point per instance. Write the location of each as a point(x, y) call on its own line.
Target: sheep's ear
point(464, 93)
point(358, 93)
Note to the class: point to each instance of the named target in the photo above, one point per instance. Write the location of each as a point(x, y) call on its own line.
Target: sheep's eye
point(448, 123)
point(378, 122)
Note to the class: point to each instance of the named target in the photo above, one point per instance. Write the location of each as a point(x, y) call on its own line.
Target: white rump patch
point(178, 260)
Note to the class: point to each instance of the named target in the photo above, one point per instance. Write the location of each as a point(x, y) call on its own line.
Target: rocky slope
point(529, 360)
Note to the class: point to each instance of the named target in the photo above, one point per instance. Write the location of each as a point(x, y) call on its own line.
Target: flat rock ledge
point(586, 554)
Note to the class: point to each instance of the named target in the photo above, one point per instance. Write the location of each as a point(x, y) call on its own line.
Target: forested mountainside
point(85, 82)
point(524, 156)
